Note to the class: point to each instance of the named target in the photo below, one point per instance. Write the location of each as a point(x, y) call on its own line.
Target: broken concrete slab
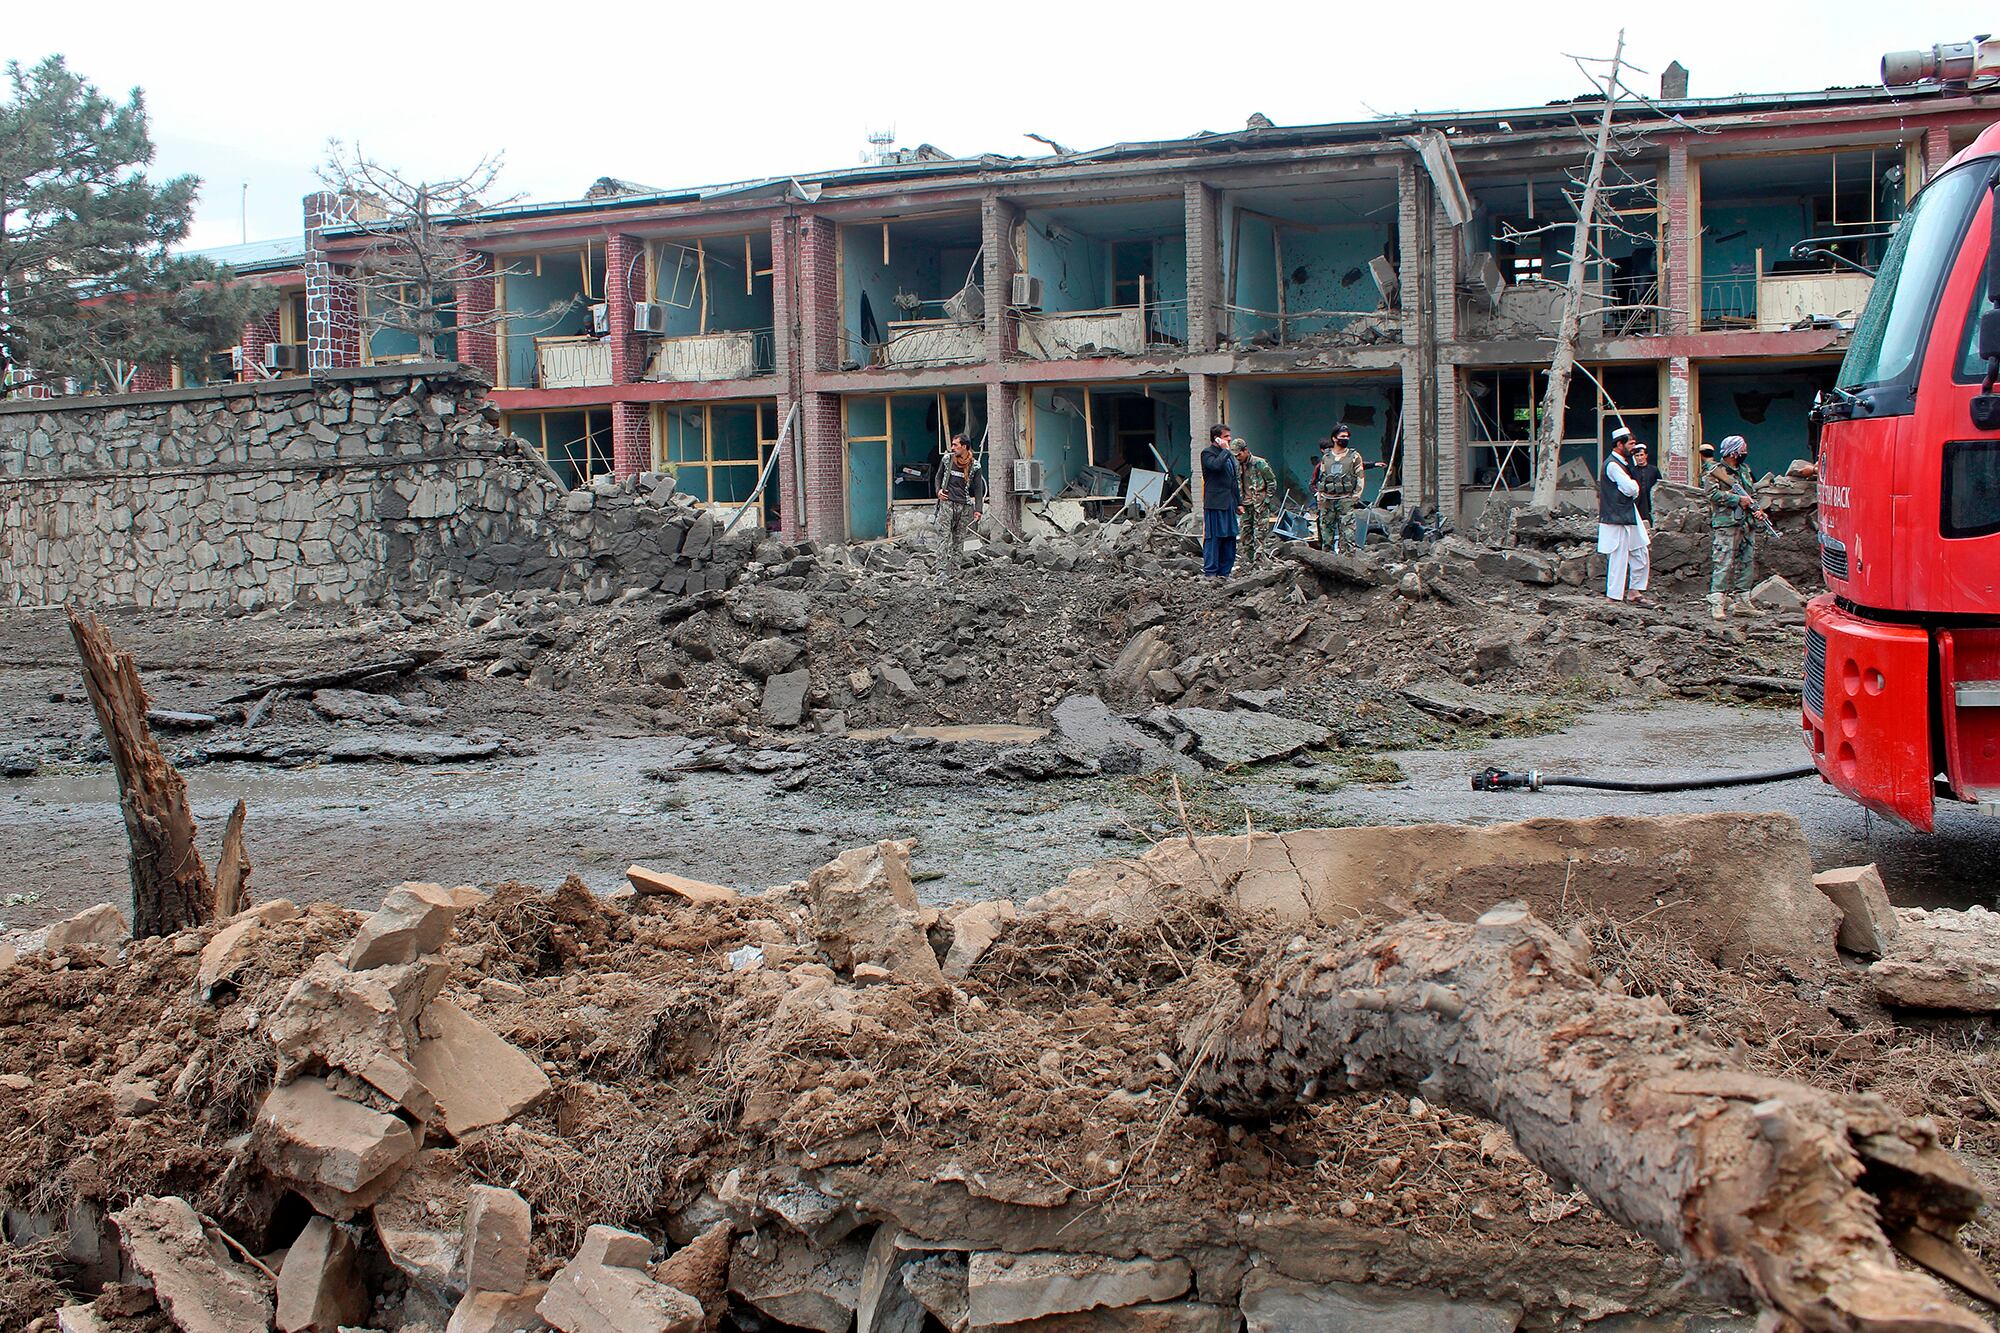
point(784, 702)
point(973, 931)
point(938, 1284)
point(865, 911)
point(1276, 1304)
point(1146, 652)
point(1729, 885)
point(1012, 1288)
point(320, 1284)
point(795, 1283)
point(332, 1018)
point(497, 1238)
point(419, 1222)
point(1941, 959)
point(233, 948)
point(664, 883)
point(402, 747)
point(1867, 921)
point(338, 705)
point(102, 926)
point(1776, 594)
point(478, 1077)
point(414, 919)
point(605, 1289)
point(81, 1319)
point(1226, 739)
point(500, 1311)
point(1162, 1317)
point(768, 657)
point(338, 1154)
point(195, 1279)
point(701, 1269)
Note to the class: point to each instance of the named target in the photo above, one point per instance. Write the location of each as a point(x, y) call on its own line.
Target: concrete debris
point(606, 1289)
point(701, 1269)
point(1226, 739)
point(1941, 959)
point(1776, 594)
point(784, 703)
point(500, 1311)
point(234, 947)
point(1163, 1317)
point(338, 705)
point(320, 1285)
point(414, 919)
point(81, 1319)
point(974, 928)
point(865, 911)
point(334, 1019)
point(478, 1078)
point(1867, 921)
point(938, 1283)
point(1013, 1288)
point(664, 882)
point(497, 1240)
point(769, 657)
point(339, 1154)
point(421, 1222)
point(1147, 652)
point(195, 1279)
point(102, 926)
point(1274, 1304)
point(394, 747)
point(796, 1283)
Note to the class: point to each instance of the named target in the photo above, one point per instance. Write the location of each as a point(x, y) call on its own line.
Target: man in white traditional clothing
point(1620, 535)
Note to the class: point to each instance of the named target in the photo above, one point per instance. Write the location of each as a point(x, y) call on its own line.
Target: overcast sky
point(672, 94)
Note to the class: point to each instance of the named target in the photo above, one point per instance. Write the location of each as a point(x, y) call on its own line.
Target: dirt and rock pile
point(826, 1106)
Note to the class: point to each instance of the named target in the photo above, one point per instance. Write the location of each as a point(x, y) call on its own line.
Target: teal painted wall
point(1253, 414)
point(931, 270)
point(1256, 274)
point(867, 463)
point(1286, 425)
point(1728, 266)
point(1074, 268)
point(527, 295)
point(729, 306)
point(1781, 436)
point(1060, 441)
point(1333, 262)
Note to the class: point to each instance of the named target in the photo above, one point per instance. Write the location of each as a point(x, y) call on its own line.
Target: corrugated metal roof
point(286, 252)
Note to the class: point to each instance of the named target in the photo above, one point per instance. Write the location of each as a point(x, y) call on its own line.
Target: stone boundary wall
point(378, 485)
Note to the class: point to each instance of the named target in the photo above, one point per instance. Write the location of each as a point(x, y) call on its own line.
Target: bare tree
point(412, 276)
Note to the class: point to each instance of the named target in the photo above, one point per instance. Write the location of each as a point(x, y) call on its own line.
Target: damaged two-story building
point(1086, 316)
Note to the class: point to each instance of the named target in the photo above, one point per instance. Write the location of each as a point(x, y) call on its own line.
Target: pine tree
point(89, 288)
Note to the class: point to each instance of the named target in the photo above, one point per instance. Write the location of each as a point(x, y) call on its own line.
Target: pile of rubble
point(828, 1107)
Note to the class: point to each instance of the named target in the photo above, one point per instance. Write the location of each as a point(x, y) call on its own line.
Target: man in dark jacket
point(1221, 494)
point(1648, 476)
point(961, 491)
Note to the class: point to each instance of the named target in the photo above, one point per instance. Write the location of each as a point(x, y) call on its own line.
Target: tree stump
point(170, 886)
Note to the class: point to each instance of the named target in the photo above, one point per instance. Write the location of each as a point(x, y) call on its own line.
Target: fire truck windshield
point(1882, 360)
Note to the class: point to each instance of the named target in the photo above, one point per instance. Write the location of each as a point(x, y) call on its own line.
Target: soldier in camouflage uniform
point(1732, 515)
point(1337, 485)
point(1260, 488)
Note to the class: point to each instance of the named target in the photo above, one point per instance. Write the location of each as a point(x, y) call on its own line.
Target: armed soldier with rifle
point(1735, 520)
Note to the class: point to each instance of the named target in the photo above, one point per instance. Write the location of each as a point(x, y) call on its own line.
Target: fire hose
point(1496, 779)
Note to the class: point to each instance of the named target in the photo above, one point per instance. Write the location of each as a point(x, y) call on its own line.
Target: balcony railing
point(1131, 330)
point(572, 363)
point(1771, 302)
point(729, 354)
point(912, 343)
point(1245, 326)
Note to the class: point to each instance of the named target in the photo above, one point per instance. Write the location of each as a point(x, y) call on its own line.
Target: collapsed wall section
point(354, 487)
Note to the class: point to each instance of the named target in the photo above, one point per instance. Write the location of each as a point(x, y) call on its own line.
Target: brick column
point(631, 438)
point(817, 294)
point(826, 472)
point(1204, 403)
point(1444, 317)
point(152, 378)
point(624, 283)
point(1937, 150)
point(477, 346)
point(1680, 420)
point(257, 335)
point(333, 323)
point(1204, 263)
point(786, 371)
point(1678, 268)
point(1003, 446)
point(996, 230)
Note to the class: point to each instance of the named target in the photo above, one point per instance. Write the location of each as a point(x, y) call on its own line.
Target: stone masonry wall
point(358, 487)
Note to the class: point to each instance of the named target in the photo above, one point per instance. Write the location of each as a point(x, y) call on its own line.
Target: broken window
point(711, 307)
point(1101, 280)
point(548, 339)
point(577, 445)
point(717, 451)
point(912, 291)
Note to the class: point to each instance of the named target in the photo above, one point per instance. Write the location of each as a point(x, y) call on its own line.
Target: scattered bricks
point(201, 1287)
point(102, 925)
point(496, 1240)
point(605, 1289)
point(973, 931)
point(320, 1286)
point(478, 1078)
point(339, 1154)
point(1010, 1288)
point(414, 919)
point(499, 1311)
point(1867, 922)
point(664, 883)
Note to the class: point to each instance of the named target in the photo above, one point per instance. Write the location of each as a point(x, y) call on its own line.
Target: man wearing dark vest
point(1620, 536)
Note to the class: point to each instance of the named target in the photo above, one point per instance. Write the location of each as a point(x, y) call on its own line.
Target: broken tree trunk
point(232, 872)
point(1763, 1187)
point(170, 888)
point(1549, 432)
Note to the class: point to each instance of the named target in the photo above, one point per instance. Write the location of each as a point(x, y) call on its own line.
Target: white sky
point(673, 94)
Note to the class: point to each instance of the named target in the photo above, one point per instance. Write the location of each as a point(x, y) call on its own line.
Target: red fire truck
point(1902, 671)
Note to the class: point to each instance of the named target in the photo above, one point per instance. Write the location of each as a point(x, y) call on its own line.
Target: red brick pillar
point(1678, 270)
point(786, 370)
point(996, 230)
point(826, 471)
point(257, 335)
point(1204, 263)
point(1204, 410)
point(1003, 446)
point(1680, 441)
point(624, 283)
point(1937, 150)
point(814, 293)
point(816, 290)
point(152, 378)
point(477, 346)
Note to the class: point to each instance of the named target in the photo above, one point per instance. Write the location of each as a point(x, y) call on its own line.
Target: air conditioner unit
point(1027, 476)
point(649, 317)
point(236, 360)
point(600, 318)
point(283, 356)
point(1027, 293)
